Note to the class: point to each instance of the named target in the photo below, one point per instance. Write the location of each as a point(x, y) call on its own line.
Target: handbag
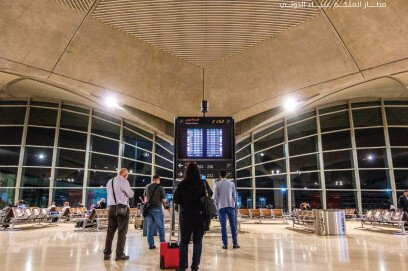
point(146, 206)
point(209, 207)
point(121, 209)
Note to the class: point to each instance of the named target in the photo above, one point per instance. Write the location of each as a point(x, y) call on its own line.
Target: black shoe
point(236, 246)
point(224, 247)
point(122, 258)
point(106, 257)
point(152, 247)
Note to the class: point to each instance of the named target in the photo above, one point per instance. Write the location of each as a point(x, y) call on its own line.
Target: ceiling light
point(370, 157)
point(290, 104)
point(261, 154)
point(41, 156)
point(111, 102)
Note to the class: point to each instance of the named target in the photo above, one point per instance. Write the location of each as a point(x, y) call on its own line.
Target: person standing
point(188, 195)
point(403, 201)
point(119, 192)
point(154, 195)
point(224, 197)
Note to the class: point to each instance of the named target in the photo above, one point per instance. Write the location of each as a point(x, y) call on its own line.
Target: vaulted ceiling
point(150, 54)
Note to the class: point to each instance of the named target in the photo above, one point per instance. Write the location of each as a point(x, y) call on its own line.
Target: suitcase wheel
point(162, 262)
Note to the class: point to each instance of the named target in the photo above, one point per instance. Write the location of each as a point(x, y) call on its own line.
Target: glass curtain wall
point(58, 152)
point(351, 155)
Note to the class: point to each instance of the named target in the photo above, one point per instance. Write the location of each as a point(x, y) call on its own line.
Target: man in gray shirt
point(224, 197)
point(119, 192)
point(154, 195)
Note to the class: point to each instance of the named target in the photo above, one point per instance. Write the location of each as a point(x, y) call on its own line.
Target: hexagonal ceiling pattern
point(203, 32)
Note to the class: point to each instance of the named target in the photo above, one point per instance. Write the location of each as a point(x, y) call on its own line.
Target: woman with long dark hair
point(192, 220)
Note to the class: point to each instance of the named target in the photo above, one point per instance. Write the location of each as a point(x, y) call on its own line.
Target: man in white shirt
point(224, 197)
point(119, 192)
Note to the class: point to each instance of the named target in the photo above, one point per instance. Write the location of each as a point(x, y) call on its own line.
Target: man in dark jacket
point(403, 201)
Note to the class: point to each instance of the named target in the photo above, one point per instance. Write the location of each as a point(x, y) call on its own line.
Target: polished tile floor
point(264, 247)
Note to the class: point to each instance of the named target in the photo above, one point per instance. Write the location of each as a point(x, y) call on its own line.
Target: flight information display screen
point(214, 143)
point(195, 143)
point(204, 143)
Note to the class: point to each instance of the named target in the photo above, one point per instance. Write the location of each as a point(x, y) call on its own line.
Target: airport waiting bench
point(17, 216)
point(303, 218)
point(384, 218)
point(260, 215)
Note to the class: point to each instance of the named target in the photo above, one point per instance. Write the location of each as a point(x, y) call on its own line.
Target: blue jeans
point(230, 212)
point(194, 228)
point(155, 221)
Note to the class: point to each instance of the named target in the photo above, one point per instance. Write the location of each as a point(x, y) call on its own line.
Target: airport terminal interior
point(303, 103)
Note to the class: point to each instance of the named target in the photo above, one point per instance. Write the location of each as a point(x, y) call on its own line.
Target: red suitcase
point(169, 255)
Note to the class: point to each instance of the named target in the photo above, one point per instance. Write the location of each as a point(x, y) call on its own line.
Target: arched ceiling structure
point(149, 54)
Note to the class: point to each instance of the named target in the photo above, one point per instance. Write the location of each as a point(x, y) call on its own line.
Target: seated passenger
point(3, 214)
point(63, 211)
point(101, 204)
point(52, 210)
point(21, 204)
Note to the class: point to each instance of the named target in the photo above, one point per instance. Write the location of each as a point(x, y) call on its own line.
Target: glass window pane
point(45, 104)
point(165, 144)
point(137, 154)
point(273, 181)
point(9, 156)
point(94, 195)
point(333, 141)
point(270, 154)
point(367, 117)
point(138, 130)
point(73, 196)
point(371, 158)
point(104, 145)
point(36, 177)
point(370, 137)
point(242, 143)
point(272, 199)
point(164, 163)
point(68, 177)
point(275, 167)
point(302, 146)
point(365, 104)
point(303, 163)
point(74, 121)
point(139, 180)
point(75, 108)
point(43, 117)
point(38, 156)
point(73, 159)
point(243, 152)
point(104, 162)
point(398, 136)
point(401, 179)
point(12, 115)
point(105, 128)
point(135, 201)
point(8, 176)
point(109, 117)
point(6, 196)
point(302, 129)
point(336, 121)
point(244, 182)
point(300, 117)
point(35, 197)
point(166, 183)
point(137, 167)
point(338, 160)
point(244, 162)
point(311, 197)
point(341, 199)
point(40, 136)
point(244, 173)
point(376, 200)
point(400, 158)
point(10, 135)
point(305, 180)
point(99, 178)
point(164, 173)
point(269, 141)
point(73, 140)
point(397, 115)
point(374, 179)
point(244, 198)
point(343, 179)
point(268, 130)
point(163, 152)
point(333, 108)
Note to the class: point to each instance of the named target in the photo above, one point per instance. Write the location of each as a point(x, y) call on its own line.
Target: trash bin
point(330, 222)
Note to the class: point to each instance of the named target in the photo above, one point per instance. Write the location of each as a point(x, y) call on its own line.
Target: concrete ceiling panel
point(305, 55)
point(103, 56)
point(374, 36)
point(35, 32)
